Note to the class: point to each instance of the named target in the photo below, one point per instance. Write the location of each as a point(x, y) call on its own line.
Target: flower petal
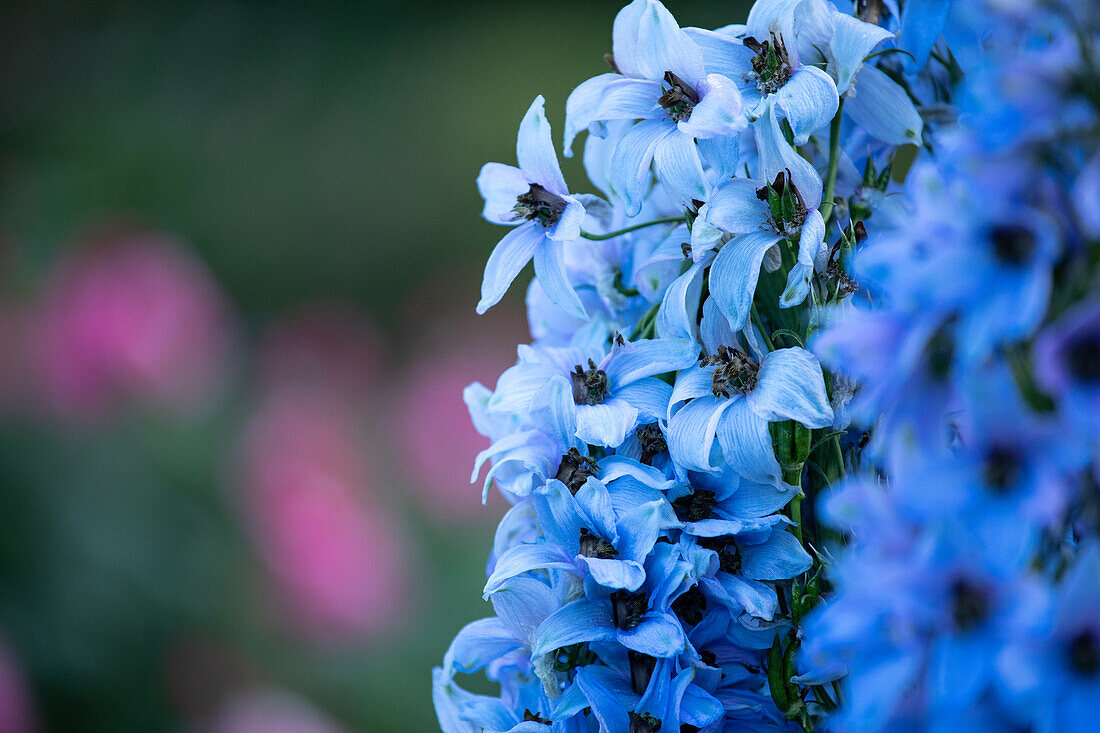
point(606, 424)
point(882, 108)
point(576, 622)
point(550, 271)
point(509, 257)
point(690, 433)
point(478, 644)
point(647, 42)
point(734, 274)
point(720, 112)
point(629, 170)
point(635, 360)
point(676, 314)
point(747, 444)
point(608, 97)
point(615, 574)
point(780, 557)
point(808, 100)
point(777, 155)
point(535, 150)
point(791, 387)
point(523, 558)
point(852, 40)
point(500, 185)
point(679, 168)
point(657, 635)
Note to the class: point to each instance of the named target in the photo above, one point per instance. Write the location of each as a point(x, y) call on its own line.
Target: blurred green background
point(304, 151)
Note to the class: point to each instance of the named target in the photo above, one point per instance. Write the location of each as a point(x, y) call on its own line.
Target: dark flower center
point(1084, 653)
point(652, 440)
point(1083, 355)
point(589, 386)
point(540, 204)
point(690, 606)
point(592, 545)
point(736, 373)
point(771, 66)
point(729, 559)
point(627, 609)
point(869, 11)
point(644, 723)
point(709, 658)
point(680, 99)
point(969, 605)
point(696, 506)
point(575, 469)
point(787, 206)
point(641, 670)
point(1013, 244)
point(529, 717)
point(575, 655)
point(1002, 468)
point(941, 352)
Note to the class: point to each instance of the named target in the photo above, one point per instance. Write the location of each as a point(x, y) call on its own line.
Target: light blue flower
point(535, 200)
point(661, 80)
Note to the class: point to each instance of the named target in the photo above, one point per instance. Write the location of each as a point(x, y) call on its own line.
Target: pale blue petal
point(615, 574)
point(676, 314)
point(522, 605)
point(647, 42)
point(630, 161)
point(699, 708)
point(882, 108)
point(810, 243)
point(720, 112)
point(734, 274)
point(579, 621)
point(550, 271)
point(639, 528)
point(754, 499)
point(690, 433)
point(852, 41)
point(582, 105)
point(509, 257)
point(606, 424)
point(554, 413)
point(635, 360)
point(450, 701)
point(779, 558)
point(735, 208)
point(616, 467)
point(568, 228)
point(721, 154)
point(657, 635)
point(722, 53)
point(691, 383)
point(959, 669)
point(679, 169)
point(523, 558)
point(714, 328)
point(650, 396)
point(776, 155)
point(595, 504)
point(791, 387)
point(739, 594)
point(535, 150)
point(559, 517)
point(478, 644)
point(747, 444)
point(500, 185)
point(609, 708)
point(808, 100)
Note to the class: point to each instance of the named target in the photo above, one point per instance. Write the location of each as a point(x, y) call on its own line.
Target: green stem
point(646, 323)
point(612, 235)
point(826, 208)
point(760, 327)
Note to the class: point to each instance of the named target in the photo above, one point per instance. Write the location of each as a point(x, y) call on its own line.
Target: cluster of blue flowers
point(759, 208)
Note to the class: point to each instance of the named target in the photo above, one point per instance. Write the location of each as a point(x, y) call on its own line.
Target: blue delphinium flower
point(535, 200)
point(660, 79)
point(709, 528)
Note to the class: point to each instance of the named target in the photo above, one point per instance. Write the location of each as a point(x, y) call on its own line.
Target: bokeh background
point(239, 254)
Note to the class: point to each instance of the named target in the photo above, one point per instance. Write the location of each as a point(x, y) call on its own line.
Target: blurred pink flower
point(271, 711)
point(337, 554)
point(132, 317)
point(434, 437)
point(16, 715)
